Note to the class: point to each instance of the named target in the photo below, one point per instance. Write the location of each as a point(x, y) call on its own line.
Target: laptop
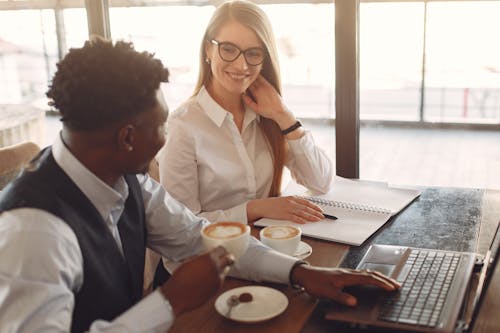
point(434, 288)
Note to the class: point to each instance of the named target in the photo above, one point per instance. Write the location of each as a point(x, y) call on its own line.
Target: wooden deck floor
point(429, 157)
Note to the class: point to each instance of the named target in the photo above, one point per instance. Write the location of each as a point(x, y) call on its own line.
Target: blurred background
point(429, 74)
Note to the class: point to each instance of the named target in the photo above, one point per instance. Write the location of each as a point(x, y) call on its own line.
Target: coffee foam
point(280, 232)
point(225, 230)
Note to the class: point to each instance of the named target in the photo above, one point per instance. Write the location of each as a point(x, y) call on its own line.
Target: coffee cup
point(282, 238)
point(233, 236)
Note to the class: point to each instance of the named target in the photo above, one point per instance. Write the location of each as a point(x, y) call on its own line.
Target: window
point(29, 51)
point(391, 47)
point(173, 33)
point(460, 75)
point(306, 45)
point(169, 31)
point(463, 62)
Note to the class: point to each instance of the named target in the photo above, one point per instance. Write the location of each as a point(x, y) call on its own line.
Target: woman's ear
point(208, 45)
point(126, 138)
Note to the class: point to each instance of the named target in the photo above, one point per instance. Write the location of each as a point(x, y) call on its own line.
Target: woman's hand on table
point(289, 208)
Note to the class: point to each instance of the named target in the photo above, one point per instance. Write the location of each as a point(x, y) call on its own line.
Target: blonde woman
point(228, 144)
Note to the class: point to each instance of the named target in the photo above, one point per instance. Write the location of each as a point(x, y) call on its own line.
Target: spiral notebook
point(361, 209)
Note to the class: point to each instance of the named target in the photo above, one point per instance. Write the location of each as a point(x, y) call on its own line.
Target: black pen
point(331, 217)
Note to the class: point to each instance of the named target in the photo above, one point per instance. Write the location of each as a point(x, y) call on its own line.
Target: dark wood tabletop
point(303, 314)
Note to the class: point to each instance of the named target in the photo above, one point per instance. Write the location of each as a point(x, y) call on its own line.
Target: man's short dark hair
point(102, 82)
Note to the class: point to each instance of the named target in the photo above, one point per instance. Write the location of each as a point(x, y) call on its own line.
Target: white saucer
point(267, 303)
point(303, 251)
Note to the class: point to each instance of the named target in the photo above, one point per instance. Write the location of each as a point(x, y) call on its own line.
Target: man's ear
point(126, 138)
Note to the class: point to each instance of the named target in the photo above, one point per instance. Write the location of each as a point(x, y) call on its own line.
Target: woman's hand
point(290, 208)
point(266, 102)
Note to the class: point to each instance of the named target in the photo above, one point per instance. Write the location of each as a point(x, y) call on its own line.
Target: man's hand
point(329, 282)
point(196, 280)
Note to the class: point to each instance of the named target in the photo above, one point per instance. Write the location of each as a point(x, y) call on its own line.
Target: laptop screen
point(489, 262)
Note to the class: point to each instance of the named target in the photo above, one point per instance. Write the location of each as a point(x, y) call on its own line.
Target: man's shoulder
point(38, 223)
point(40, 185)
point(25, 193)
point(40, 247)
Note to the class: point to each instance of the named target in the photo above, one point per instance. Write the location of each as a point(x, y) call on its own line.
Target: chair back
point(152, 259)
point(14, 158)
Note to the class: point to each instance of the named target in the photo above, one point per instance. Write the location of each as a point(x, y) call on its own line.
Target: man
point(74, 226)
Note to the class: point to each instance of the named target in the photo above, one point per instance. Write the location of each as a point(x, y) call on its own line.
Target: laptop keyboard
point(426, 279)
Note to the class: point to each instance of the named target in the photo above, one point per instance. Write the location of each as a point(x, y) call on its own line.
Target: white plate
point(303, 251)
point(266, 304)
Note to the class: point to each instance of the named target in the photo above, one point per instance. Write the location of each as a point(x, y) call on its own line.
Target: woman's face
point(236, 76)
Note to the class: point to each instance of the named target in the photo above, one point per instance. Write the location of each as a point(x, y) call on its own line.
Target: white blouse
point(214, 170)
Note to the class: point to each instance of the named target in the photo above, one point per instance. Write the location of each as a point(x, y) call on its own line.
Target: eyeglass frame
point(218, 44)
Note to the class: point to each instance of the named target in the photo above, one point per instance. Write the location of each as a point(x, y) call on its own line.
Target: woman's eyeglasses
point(229, 52)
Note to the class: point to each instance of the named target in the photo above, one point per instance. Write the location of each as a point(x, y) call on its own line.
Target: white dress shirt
point(212, 168)
point(41, 264)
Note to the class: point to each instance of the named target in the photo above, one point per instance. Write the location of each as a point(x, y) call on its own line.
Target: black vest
point(111, 284)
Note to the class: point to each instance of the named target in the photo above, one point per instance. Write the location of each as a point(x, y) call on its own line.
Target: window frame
point(347, 121)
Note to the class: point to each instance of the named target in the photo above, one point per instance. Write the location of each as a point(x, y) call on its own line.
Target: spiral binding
point(347, 205)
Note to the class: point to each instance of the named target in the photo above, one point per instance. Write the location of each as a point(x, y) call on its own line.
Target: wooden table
point(300, 308)
point(488, 320)
point(300, 316)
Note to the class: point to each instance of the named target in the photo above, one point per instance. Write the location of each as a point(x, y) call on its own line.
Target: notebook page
point(361, 208)
point(352, 227)
point(370, 194)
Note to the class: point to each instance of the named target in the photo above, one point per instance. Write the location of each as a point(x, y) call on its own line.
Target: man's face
point(149, 137)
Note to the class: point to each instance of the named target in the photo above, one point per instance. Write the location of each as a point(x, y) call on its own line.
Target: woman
point(228, 144)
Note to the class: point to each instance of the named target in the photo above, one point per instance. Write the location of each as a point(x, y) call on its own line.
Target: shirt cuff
point(282, 265)
point(303, 144)
point(152, 314)
point(261, 263)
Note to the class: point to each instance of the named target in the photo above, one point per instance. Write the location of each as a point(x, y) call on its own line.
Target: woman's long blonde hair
point(251, 16)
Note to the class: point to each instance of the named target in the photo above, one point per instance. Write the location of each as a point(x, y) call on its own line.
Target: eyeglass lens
point(229, 52)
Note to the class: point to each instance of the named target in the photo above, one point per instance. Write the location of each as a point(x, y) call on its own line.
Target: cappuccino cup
point(282, 238)
point(233, 236)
